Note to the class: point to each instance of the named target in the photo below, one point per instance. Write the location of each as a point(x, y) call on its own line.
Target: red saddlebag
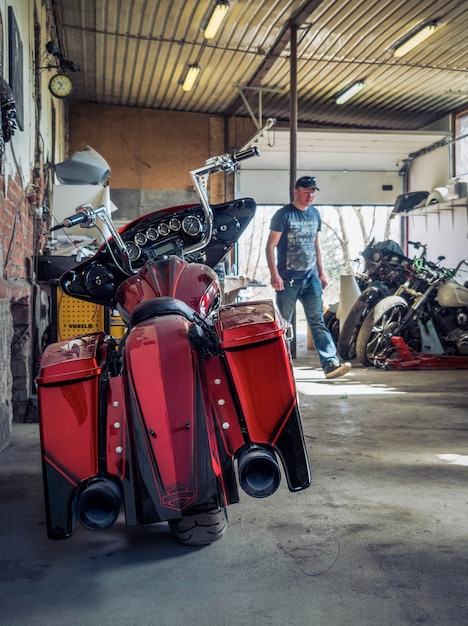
point(68, 385)
point(252, 336)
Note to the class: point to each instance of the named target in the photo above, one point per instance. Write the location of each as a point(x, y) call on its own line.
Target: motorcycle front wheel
point(201, 529)
point(375, 337)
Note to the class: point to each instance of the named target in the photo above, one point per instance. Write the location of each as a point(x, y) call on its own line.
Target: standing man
point(297, 273)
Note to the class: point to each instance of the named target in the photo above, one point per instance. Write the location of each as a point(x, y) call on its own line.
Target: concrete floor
point(379, 539)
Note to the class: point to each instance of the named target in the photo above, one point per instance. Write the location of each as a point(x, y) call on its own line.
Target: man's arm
point(321, 273)
point(272, 242)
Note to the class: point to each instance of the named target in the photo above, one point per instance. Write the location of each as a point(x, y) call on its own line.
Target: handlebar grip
point(56, 227)
point(68, 222)
point(246, 154)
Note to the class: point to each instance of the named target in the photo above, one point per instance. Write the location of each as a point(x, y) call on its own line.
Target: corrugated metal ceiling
point(135, 53)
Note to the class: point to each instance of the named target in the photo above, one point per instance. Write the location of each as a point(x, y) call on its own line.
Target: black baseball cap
point(307, 182)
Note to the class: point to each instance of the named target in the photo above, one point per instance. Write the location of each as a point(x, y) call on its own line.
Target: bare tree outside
point(346, 231)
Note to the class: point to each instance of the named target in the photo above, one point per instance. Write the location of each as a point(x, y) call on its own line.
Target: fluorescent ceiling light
point(349, 92)
point(191, 77)
point(415, 39)
point(218, 15)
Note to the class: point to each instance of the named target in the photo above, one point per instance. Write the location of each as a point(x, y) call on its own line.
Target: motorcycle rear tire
point(350, 329)
point(201, 529)
point(374, 339)
point(333, 324)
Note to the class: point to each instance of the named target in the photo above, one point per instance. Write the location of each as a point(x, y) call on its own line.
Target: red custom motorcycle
point(156, 423)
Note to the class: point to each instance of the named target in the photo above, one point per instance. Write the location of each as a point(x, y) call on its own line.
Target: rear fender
point(174, 465)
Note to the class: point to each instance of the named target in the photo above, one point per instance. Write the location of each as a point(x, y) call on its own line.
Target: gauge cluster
point(162, 233)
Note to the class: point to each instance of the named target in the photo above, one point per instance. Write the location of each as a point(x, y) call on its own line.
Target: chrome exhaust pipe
point(259, 472)
point(98, 504)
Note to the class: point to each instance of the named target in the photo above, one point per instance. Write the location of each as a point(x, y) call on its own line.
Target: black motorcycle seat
point(161, 306)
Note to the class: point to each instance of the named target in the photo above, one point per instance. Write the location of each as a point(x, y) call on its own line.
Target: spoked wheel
point(201, 529)
point(375, 337)
point(350, 329)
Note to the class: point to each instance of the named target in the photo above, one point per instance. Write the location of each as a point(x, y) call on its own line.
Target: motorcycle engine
point(454, 323)
point(462, 319)
point(460, 338)
point(392, 275)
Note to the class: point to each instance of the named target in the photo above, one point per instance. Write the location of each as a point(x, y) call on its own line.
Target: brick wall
point(6, 381)
point(17, 241)
point(155, 150)
point(17, 233)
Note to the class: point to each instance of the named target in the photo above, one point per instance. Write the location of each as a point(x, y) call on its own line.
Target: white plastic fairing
point(86, 167)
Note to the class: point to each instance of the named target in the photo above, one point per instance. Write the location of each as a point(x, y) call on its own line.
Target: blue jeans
point(309, 293)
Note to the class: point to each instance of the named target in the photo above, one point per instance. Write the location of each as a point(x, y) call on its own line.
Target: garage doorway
point(338, 257)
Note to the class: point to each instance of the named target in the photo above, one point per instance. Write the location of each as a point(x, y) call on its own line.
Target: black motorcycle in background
point(385, 268)
point(429, 312)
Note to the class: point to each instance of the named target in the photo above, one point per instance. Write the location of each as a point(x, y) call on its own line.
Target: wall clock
point(60, 86)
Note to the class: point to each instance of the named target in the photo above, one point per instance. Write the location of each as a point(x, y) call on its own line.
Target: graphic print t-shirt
point(296, 254)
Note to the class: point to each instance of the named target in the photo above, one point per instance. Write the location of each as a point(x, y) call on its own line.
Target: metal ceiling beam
point(282, 42)
point(259, 90)
point(293, 112)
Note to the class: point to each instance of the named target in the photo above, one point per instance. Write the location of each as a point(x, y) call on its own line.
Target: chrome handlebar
point(224, 163)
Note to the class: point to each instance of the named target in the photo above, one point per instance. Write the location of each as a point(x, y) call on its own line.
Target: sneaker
point(334, 370)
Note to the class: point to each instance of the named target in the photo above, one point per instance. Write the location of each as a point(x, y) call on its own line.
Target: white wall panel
point(347, 188)
point(430, 170)
point(444, 229)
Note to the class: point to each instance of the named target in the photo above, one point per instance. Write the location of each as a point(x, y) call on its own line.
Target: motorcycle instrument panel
point(174, 231)
point(160, 234)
